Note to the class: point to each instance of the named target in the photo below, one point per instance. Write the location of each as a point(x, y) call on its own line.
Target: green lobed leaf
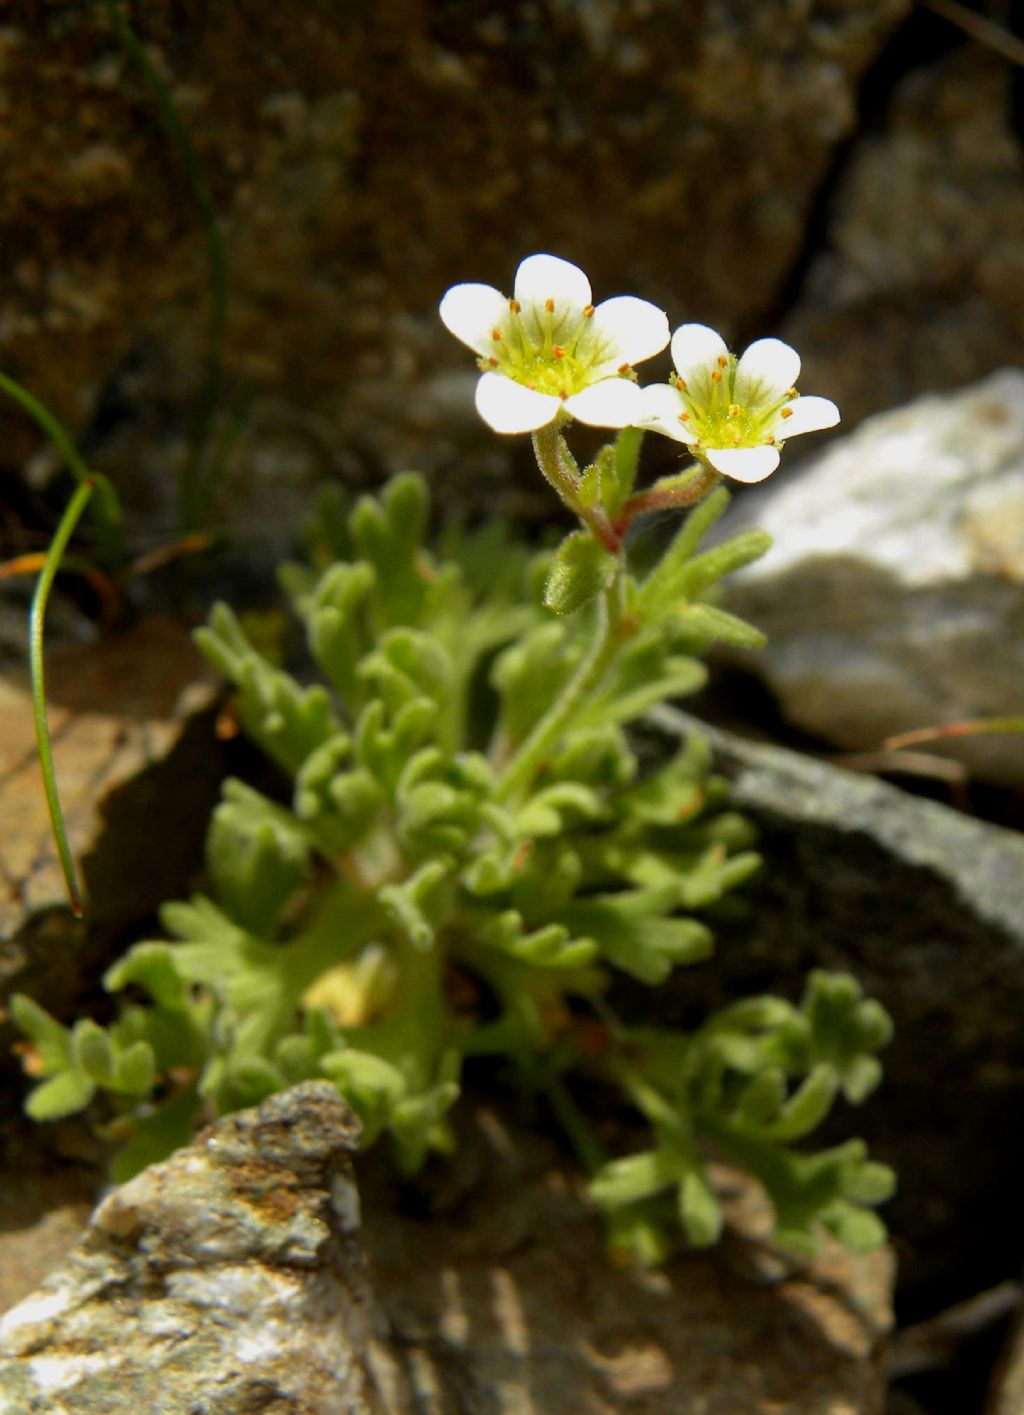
point(699, 1211)
point(152, 966)
point(257, 855)
point(51, 1040)
point(581, 569)
point(62, 1095)
point(91, 1051)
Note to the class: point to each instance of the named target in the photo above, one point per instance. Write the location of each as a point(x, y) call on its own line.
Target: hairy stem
point(669, 494)
point(58, 545)
point(607, 641)
point(556, 465)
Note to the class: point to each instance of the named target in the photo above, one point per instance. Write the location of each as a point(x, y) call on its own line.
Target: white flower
point(549, 351)
point(733, 413)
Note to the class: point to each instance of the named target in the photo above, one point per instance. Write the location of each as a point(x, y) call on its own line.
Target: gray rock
point(918, 284)
point(925, 907)
point(893, 597)
point(227, 1281)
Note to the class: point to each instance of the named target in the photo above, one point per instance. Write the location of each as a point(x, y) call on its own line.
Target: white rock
point(893, 597)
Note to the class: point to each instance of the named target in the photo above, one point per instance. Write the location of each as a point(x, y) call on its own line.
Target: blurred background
point(843, 173)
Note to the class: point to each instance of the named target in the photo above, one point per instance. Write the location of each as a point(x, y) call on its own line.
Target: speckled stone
point(227, 1281)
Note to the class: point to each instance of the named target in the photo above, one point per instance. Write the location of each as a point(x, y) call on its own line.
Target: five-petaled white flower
point(733, 413)
point(549, 351)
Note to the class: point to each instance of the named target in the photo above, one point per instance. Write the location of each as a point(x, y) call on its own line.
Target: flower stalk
point(611, 630)
point(554, 461)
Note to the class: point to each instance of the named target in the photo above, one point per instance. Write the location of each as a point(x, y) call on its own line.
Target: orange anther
point(792, 393)
point(722, 361)
point(493, 362)
point(623, 368)
point(549, 305)
point(558, 351)
point(514, 306)
point(786, 413)
point(681, 383)
point(496, 333)
point(716, 375)
point(588, 310)
point(734, 410)
point(684, 417)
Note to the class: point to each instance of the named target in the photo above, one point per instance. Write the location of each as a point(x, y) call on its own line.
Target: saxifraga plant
point(472, 851)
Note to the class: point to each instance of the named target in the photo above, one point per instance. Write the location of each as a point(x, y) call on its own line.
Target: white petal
point(623, 330)
point(546, 277)
point(508, 406)
point(611, 402)
point(766, 372)
point(661, 406)
point(472, 312)
point(695, 351)
point(809, 414)
point(544, 280)
point(747, 464)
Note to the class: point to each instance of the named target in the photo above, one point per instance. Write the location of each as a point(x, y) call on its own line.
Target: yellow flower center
point(715, 417)
point(542, 352)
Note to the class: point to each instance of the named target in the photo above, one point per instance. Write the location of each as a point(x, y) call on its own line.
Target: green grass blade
point(58, 545)
point(111, 549)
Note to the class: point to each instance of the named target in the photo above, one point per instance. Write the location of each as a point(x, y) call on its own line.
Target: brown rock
point(362, 161)
point(138, 769)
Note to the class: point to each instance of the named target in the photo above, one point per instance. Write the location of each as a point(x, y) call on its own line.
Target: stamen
point(716, 375)
point(737, 436)
point(722, 361)
point(734, 410)
point(786, 413)
point(514, 306)
point(792, 393)
point(549, 305)
point(558, 351)
point(496, 334)
point(588, 311)
point(769, 440)
point(562, 394)
point(681, 384)
point(493, 362)
point(623, 368)
point(684, 417)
